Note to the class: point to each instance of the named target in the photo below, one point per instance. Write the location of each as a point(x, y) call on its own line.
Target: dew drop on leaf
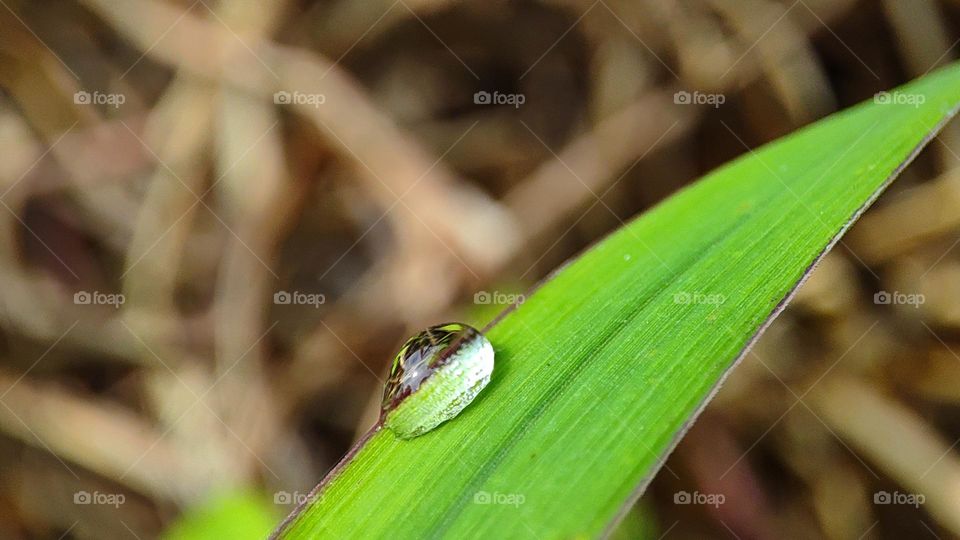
point(436, 374)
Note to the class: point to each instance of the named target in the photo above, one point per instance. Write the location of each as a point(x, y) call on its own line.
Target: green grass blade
point(238, 515)
point(603, 368)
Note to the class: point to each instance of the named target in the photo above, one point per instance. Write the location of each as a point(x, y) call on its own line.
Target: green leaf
point(237, 515)
point(599, 373)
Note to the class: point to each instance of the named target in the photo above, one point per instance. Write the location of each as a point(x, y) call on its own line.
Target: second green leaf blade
point(601, 370)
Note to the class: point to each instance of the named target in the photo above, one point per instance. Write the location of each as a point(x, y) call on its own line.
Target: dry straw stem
point(257, 195)
point(786, 57)
point(899, 441)
point(100, 437)
point(911, 220)
point(391, 164)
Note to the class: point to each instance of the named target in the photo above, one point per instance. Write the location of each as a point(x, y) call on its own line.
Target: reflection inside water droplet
point(436, 374)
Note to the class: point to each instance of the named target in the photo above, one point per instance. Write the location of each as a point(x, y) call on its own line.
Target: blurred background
point(221, 218)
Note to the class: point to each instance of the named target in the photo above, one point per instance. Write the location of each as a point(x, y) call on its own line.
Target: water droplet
point(436, 374)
